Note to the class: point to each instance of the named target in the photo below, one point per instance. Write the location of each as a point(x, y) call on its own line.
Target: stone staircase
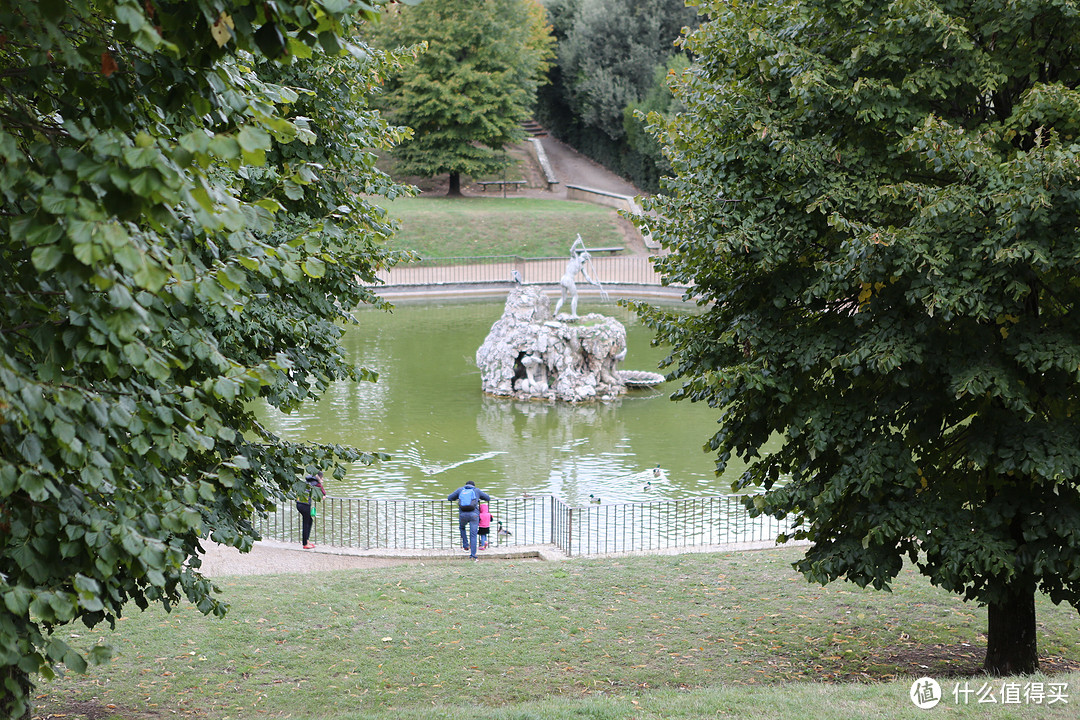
point(534, 128)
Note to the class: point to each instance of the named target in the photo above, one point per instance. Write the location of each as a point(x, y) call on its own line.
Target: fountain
point(533, 354)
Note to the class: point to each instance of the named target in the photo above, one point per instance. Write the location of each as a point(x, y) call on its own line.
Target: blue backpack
point(466, 499)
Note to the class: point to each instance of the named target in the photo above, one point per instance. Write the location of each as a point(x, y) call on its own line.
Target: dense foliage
point(180, 235)
point(877, 205)
point(613, 58)
point(472, 86)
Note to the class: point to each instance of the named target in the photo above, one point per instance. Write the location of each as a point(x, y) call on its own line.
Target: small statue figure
point(579, 256)
point(535, 373)
point(609, 365)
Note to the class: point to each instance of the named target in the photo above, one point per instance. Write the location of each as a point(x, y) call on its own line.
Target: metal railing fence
point(407, 524)
point(664, 524)
point(374, 524)
point(617, 270)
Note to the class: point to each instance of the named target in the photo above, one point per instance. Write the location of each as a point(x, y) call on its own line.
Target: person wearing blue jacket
point(468, 498)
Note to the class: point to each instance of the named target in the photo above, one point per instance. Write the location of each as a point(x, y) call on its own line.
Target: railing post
point(569, 531)
point(551, 535)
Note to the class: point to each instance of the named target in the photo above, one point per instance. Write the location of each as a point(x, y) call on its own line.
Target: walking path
point(573, 168)
point(270, 557)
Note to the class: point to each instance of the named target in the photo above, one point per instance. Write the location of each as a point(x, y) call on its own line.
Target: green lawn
point(691, 636)
point(435, 227)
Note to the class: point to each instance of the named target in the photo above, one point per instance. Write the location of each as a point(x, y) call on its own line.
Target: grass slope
point(530, 227)
point(691, 636)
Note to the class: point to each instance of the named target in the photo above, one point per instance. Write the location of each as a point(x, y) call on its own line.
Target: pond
point(428, 412)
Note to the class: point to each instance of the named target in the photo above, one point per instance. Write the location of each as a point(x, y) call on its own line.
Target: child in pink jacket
point(484, 526)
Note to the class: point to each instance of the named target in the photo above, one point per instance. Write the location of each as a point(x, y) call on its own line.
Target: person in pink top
point(484, 526)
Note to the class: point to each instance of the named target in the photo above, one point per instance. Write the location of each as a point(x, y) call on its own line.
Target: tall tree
point(877, 205)
point(472, 86)
point(610, 54)
point(170, 252)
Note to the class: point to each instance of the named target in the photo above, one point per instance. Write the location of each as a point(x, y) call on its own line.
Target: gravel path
point(573, 168)
point(269, 557)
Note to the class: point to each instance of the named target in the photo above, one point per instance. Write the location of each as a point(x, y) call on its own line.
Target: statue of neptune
point(579, 263)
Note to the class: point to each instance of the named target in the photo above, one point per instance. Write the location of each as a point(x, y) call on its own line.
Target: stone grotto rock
point(531, 354)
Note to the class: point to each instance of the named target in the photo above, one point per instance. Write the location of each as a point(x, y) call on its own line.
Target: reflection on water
point(428, 412)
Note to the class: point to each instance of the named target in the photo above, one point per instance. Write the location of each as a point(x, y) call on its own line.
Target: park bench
point(513, 184)
point(611, 250)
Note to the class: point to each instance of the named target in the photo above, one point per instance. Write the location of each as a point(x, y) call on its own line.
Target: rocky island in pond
point(532, 354)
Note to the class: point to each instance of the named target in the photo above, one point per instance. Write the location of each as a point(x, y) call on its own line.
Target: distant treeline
point(613, 57)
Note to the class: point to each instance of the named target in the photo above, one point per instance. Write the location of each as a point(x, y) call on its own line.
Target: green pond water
point(428, 412)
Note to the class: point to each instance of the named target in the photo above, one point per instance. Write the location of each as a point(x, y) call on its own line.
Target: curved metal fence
point(617, 270)
point(662, 525)
point(545, 520)
point(408, 524)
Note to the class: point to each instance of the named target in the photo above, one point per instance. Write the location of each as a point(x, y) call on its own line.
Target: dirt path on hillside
point(573, 168)
point(569, 166)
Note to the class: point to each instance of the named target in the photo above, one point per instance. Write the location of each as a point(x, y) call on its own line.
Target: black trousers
point(306, 521)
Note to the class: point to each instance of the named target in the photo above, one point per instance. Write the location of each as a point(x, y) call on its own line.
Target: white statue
point(579, 263)
point(535, 381)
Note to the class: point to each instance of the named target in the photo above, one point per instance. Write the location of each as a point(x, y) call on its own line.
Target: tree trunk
point(455, 185)
point(1011, 645)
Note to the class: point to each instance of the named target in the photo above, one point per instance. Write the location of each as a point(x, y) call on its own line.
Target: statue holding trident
point(580, 262)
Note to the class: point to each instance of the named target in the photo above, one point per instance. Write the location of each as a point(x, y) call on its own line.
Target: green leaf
point(100, 654)
point(253, 138)
point(30, 449)
point(40, 608)
point(226, 388)
point(54, 10)
point(150, 276)
point(298, 49)
point(56, 203)
point(17, 600)
point(336, 7)
point(314, 267)
point(141, 157)
point(75, 662)
point(46, 257)
point(225, 147)
point(269, 204)
point(270, 41)
point(293, 191)
point(63, 606)
point(256, 158)
point(330, 43)
point(88, 253)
